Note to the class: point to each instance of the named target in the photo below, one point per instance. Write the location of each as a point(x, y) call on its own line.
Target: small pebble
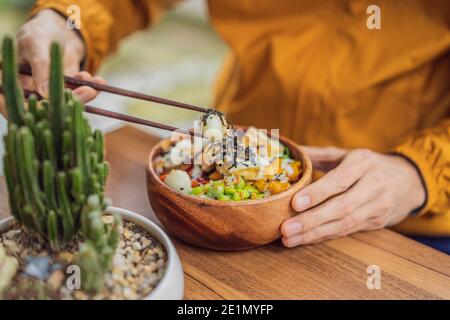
point(55, 280)
point(38, 267)
point(12, 233)
point(145, 243)
point(127, 234)
point(80, 295)
point(108, 219)
point(65, 257)
point(11, 246)
point(136, 236)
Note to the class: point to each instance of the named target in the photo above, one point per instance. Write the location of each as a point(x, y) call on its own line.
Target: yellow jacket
point(316, 71)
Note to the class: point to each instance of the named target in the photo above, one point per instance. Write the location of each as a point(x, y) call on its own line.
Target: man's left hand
point(362, 190)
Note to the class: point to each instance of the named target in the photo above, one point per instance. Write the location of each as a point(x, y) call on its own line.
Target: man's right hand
point(34, 39)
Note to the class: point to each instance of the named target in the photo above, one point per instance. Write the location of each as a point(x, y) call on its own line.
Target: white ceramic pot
point(171, 286)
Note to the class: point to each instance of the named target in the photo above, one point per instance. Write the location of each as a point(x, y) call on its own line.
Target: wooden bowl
point(228, 226)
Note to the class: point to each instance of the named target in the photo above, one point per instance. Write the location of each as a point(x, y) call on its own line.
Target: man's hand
point(34, 40)
point(362, 190)
point(2, 106)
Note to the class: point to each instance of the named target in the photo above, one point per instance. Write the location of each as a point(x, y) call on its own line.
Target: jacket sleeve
point(105, 22)
point(429, 150)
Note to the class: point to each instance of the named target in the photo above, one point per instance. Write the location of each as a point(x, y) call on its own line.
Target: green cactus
point(14, 96)
point(88, 260)
point(53, 164)
point(96, 254)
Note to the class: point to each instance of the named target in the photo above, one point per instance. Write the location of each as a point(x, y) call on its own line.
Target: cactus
point(54, 163)
point(96, 254)
point(13, 93)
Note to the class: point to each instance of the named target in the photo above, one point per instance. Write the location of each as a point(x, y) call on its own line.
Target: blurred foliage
point(23, 5)
point(12, 15)
point(178, 59)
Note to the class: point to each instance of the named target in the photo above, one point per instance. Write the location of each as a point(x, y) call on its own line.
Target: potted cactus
point(56, 172)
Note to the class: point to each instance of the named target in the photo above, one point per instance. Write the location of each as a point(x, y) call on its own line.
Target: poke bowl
point(223, 225)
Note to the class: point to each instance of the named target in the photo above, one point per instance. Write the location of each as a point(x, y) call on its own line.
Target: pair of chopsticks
point(75, 83)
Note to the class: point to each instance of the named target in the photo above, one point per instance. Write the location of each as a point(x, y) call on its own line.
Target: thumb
point(324, 158)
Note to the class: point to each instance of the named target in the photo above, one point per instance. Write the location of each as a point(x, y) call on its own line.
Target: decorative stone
point(11, 246)
point(11, 234)
point(108, 219)
point(8, 269)
point(38, 267)
point(66, 257)
point(136, 236)
point(145, 243)
point(119, 261)
point(127, 233)
point(150, 268)
point(56, 279)
point(160, 263)
point(80, 295)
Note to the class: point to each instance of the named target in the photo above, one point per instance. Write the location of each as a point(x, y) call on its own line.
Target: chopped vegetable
point(251, 189)
point(264, 169)
point(286, 153)
point(236, 197)
point(163, 176)
point(224, 197)
point(276, 187)
point(215, 175)
point(216, 190)
point(261, 185)
point(244, 194)
point(197, 190)
point(296, 170)
point(230, 190)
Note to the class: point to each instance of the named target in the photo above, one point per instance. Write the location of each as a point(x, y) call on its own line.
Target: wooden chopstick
point(75, 83)
point(120, 116)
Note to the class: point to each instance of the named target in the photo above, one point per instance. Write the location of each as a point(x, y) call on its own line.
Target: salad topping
point(227, 164)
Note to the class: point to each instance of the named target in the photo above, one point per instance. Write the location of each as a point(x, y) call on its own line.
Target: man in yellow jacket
point(372, 104)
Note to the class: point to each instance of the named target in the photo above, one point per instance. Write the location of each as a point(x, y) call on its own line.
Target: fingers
point(316, 235)
point(364, 218)
point(71, 64)
point(86, 93)
point(99, 80)
point(367, 191)
point(336, 208)
point(36, 54)
point(34, 39)
point(27, 82)
point(352, 168)
point(2, 107)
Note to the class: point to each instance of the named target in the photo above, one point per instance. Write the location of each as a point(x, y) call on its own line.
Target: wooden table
point(335, 269)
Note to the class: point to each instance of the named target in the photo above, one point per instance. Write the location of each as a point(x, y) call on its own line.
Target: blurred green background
point(178, 58)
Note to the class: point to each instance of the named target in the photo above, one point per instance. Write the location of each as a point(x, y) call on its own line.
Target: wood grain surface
point(331, 270)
